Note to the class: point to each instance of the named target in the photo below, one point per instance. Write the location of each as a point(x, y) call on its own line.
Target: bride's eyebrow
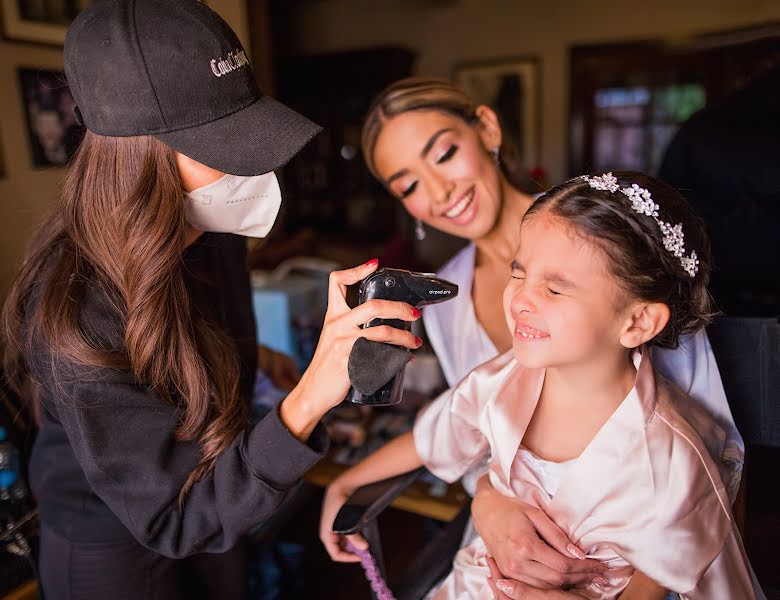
point(395, 176)
point(429, 144)
point(423, 153)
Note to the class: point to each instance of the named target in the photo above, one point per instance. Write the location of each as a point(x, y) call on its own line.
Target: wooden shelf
point(416, 499)
point(26, 591)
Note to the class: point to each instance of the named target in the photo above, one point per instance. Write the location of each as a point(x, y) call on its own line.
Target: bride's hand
point(505, 589)
point(527, 546)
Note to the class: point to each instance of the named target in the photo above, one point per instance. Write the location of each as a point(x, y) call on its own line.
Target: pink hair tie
point(378, 584)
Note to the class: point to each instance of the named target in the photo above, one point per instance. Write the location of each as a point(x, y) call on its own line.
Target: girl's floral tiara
point(642, 203)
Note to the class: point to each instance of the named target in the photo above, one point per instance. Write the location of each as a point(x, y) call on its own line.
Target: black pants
point(125, 570)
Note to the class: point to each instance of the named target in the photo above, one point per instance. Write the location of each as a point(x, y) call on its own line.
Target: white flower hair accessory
point(642, 202)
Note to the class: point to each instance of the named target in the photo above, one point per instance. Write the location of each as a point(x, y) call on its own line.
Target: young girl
point(575, 420)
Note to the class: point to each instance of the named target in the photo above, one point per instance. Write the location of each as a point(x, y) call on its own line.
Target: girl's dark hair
point(634, 244)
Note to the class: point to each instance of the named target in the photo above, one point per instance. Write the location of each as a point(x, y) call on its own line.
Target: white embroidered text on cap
point(234, 60)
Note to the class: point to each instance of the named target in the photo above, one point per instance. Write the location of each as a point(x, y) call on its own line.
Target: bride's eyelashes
point(448, 154)
point(409, 189)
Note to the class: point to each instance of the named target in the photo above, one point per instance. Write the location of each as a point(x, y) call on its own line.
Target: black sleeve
point(123, 438)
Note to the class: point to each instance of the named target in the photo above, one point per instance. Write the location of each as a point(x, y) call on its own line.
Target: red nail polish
point(416, 312)
point(418, 340)
point(373, 261)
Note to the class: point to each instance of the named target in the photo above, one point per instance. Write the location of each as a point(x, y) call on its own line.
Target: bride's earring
point(419, 230)
point(496, 158)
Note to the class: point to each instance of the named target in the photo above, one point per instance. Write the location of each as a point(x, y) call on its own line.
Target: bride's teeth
point(459, 207)
point(456, 210)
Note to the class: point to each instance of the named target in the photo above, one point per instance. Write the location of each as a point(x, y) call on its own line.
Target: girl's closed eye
point(517, 271)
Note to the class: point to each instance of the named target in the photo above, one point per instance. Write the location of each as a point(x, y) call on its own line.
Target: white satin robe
point(645, 493)
point(461, 344)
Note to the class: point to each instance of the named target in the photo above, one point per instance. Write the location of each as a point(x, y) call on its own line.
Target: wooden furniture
point(330, 189)
point(415, 499)
point(26, 591)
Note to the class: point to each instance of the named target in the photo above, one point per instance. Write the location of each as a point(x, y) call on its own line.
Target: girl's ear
point(646, 320)
point(488, 128)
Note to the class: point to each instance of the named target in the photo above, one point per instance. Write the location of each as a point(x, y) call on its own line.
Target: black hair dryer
point(417, 289)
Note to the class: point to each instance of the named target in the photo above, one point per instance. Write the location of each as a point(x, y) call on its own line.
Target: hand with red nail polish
point(326, 381)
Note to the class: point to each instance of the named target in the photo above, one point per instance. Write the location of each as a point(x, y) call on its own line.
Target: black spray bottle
point(369, 361)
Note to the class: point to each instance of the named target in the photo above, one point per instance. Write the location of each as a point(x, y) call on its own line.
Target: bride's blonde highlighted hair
point(423, 93)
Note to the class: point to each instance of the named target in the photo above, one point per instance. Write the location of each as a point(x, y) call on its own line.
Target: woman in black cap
point(136, 327)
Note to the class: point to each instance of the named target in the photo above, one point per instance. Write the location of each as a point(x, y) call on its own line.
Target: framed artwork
point(39, 21)
point(52, 127)
point(512, 88)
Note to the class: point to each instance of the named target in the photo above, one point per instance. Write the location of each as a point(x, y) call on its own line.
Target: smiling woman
point(443, 158)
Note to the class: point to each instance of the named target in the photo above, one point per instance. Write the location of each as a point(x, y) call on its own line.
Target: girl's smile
point(526, 333)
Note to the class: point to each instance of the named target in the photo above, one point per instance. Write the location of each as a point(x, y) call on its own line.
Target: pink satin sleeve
point(447, 437)
point(728, 576)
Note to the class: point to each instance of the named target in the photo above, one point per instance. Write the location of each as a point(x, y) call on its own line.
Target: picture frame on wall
point(52, 128)
point(39, 21)
point(511, 87)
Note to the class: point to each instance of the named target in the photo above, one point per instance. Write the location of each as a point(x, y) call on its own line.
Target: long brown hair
point(423, 93)
point(119, 226)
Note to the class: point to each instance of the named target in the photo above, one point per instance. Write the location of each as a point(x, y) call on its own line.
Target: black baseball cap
point(175, 70)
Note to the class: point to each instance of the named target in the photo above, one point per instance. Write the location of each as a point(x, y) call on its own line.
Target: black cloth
point(724, 160)
point(373, 364)
point(106, 466)
point(125, 570)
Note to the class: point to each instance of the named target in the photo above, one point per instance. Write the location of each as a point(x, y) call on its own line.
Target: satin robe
point(645, 493)
point(691, 365)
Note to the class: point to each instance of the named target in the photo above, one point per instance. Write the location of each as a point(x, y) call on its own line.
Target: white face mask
point(233, 204)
